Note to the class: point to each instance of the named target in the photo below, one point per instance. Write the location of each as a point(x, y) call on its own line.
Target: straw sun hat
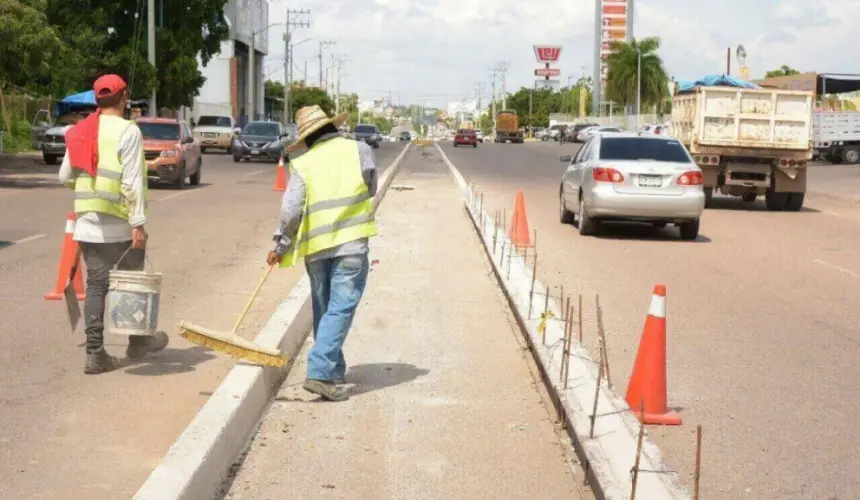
point(310, 119)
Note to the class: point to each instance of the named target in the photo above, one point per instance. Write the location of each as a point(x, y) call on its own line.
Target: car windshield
point(365, 129)
point(213, 121)
point(465, 132)
point(159, 131)
point(266, 129)
point(635, 148)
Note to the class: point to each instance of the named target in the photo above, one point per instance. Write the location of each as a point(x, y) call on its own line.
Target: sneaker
point(327, 389)
point(141, 345)
point(99, 362)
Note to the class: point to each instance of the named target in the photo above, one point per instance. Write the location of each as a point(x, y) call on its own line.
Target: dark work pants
point(100, 258)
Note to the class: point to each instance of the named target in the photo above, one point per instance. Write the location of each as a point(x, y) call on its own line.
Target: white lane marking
point(174, 195)
point(29, 239)
point(255, 172)
point(832, 214)
point(837, 268)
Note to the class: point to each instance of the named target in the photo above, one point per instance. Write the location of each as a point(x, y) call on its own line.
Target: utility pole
point(495, 72)
point(306, 72)
point(336, 82)
point(503, 69)
point(150, 47)
point(288, 56)
point(323, 44)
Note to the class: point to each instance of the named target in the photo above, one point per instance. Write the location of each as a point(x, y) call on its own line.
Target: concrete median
point(200, 459)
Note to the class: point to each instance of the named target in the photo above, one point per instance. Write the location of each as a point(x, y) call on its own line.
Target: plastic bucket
point(132, 302)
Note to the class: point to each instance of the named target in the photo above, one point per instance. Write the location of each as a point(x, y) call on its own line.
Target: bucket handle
point(145, 256)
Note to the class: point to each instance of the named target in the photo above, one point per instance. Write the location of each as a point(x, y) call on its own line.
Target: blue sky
point(440, 50)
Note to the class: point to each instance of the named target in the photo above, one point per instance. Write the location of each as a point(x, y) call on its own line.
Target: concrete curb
point(610, 455)
point(197, 463)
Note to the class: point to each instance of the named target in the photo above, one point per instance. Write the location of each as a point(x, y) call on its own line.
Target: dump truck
point(508, 127)
point(749, 142)
point(836, 136)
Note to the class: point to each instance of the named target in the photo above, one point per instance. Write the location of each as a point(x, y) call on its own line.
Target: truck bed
point(835, 127)
point(754, 122)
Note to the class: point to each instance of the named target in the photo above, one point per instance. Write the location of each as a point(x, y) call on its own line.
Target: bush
point(19, 140)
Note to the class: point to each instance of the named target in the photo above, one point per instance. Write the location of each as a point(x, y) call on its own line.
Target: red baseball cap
point(108, 85)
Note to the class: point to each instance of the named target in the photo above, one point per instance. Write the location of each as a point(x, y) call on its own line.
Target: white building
point(462, 110)
point(226, 89)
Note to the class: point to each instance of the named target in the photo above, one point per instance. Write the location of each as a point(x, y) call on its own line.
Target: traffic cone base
point(519, 232)
point(648, 381)
point(280, 177)
point(67, 261)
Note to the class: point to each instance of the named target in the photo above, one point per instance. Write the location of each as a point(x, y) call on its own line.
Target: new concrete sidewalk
point(443, 403)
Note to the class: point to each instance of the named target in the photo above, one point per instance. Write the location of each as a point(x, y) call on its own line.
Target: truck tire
point(774, 201)
point(709, 196)
point(795, 202)
point(749, 197)
point(851, 155)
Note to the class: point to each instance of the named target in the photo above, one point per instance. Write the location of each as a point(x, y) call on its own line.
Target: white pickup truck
point(748, 142)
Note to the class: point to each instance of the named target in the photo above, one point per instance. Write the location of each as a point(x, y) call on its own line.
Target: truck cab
point(508, 128)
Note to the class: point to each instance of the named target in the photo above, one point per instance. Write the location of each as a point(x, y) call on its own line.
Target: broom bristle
point(248, 351)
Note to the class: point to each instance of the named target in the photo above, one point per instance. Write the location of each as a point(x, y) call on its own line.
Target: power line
point(288, 52)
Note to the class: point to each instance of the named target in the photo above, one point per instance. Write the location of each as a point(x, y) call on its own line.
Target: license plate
point(255, 151)
point(650, 180)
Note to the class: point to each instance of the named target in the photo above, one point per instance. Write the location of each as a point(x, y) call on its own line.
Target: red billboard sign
point(547, 72)
point(547, 53)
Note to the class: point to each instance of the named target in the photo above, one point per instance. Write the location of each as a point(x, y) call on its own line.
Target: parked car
point(655, 129)
point(172, 154)
point(552, 132)
point(216, 132)
point(53, 140)
point(261, 140)
point(628, 176)
point(404, 136)
point(573, 131)
point(368, 134)
point(466, 137)
point(587, 133)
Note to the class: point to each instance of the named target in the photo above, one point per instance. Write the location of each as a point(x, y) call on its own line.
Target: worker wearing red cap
point(105, 165)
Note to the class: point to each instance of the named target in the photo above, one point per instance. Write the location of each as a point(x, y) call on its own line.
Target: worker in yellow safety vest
point(326, 219)
point(105, 165)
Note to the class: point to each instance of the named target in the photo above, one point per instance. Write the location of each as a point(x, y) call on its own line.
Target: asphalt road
point(763, 341)
point(65, 435)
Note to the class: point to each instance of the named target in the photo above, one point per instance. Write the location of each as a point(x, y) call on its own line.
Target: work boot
point(99, 362)
point(141, 345)
point(326, 389)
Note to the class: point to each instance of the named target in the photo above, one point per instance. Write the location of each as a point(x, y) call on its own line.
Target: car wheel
point(49, 159)
point(230, 150)
point(195, 179)
point(659, 225)
point(237, 159)
point(455, 144)
point(689, 230)
point(587, 226)
point(565, 216)
point(202, 150)
point(475, 145)
point(709, 196)
point(180, 182)
point(795, 202)
point(749, 197)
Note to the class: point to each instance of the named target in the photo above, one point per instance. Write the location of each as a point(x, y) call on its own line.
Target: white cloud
point(439, 50)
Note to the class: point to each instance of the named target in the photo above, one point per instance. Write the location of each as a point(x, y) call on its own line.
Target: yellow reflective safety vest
point(103, 193)
point(338, 206)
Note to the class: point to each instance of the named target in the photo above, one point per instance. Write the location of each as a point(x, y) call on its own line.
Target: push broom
point(232, 344)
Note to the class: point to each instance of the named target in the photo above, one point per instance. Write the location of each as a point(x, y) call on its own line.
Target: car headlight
point(272, 144)
point(169, 153)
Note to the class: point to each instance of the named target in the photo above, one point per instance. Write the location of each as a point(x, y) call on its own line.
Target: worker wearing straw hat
point(327, 219)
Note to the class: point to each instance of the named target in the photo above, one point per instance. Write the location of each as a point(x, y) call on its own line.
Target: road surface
point(763, 311)
point(69, 436)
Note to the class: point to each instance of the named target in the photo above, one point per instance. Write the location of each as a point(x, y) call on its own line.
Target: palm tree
point(622, 77)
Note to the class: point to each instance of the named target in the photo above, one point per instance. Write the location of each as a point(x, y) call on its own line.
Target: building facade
point(225, 92)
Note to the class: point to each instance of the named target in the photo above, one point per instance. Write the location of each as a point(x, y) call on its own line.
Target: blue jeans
point(337, 285)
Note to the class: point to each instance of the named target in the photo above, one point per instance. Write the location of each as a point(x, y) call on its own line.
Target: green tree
point(348, 102)
point(273, 88)
point(301, 96)
point(29, 45)
point(783, 70)
point(622, 77)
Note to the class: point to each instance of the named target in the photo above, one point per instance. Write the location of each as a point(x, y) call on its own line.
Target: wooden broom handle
point(253, 297)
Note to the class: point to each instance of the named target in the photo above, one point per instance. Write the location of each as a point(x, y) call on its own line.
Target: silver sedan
point(625, 176)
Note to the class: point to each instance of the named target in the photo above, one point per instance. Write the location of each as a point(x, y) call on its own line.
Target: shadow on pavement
point(377, 376)
point(737, 204)
point(167, 362)
point(643, 232)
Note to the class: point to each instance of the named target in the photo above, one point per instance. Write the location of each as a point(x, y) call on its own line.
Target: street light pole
point(288, 73)
point(638, 87)
point(252, 71)
point(150, 47)
point(322, 45)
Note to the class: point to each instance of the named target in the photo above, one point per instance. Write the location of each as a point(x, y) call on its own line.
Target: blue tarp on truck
point(715, 81)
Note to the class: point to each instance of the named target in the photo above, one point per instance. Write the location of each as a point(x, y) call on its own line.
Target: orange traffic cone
point(519, 232)
point(648, 380)
point(281, 176)
point(67, 260)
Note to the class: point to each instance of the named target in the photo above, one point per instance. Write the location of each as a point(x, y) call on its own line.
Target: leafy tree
point(272, 88)
point(783, 70)
point(348, 102)
point(29, 45)
point(623, 67)
point(302, 96)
